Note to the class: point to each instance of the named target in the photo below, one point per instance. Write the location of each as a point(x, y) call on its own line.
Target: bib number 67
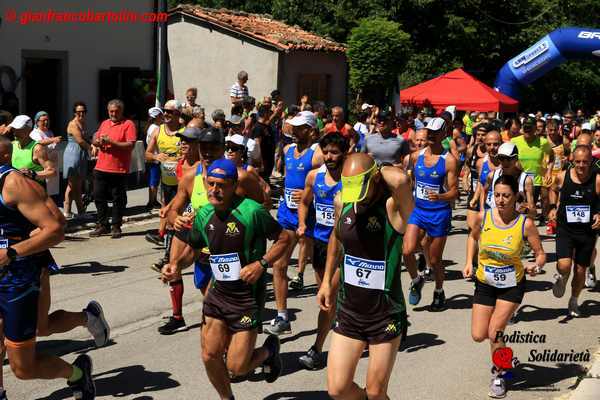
point(363, 273)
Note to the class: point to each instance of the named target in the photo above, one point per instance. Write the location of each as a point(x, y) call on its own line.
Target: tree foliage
point(480, 35)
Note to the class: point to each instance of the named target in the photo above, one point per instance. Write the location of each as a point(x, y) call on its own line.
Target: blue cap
point(227, 166)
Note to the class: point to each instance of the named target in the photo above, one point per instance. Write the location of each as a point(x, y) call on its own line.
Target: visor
point(355, 188)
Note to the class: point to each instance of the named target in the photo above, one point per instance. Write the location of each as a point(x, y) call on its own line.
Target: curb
point(589, 386)
point(74, 226)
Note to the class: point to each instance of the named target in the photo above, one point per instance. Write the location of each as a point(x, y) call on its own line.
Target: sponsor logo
point(224, 258)
point(232, 229)
point(507, 240)
point(373, 225)
point(348, 221)
point(391, 329)
point(434, 174)
point(246, 321)
point(531, 54)
point(211, 227)
point(300, 167)
point(365, 264)
point(589, 35)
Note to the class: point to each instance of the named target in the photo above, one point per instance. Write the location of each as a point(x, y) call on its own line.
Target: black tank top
point(473, 167)
point(577, 204)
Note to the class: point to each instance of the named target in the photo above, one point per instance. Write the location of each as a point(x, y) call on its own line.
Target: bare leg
point(381, 363)
point(411, 240)
point(215, 338)
point(578, 281)
point(280, 278)
point(242, 356)
point(436, 249)
point(325, 318)
point(344, 355)
point(305, 252)
point(27, 364)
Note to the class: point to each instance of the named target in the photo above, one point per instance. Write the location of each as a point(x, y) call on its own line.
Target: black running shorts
point(578, 246)
point(487, 295)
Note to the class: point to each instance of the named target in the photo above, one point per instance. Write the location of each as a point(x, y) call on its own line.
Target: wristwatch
point(11, 254)
point(264, 263)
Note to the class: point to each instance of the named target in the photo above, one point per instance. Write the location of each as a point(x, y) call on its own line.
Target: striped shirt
point(237, 91)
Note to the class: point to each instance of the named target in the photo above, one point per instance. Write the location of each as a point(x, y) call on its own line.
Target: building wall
point(88, 47)
point(332, 65)
point(210, 60)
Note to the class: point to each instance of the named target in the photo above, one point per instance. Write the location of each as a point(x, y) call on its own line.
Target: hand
point(467, 271)
point(251, 272)
point(183, 222)
point(301, 230)
point(532, 270)
point(304, 99)
point(596, 224)
point(97, 142)
point(548, 180)
point(162, 157)
point(94, 151)
point(169, 272)
point(324, 297)
point(433, 196)
point(162, 213)
point(552, 215)
point(296, 195)
point(106, 139)
point(4, 260)
point(56, 139)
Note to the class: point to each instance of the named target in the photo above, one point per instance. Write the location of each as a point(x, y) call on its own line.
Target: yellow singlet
point(169, 145)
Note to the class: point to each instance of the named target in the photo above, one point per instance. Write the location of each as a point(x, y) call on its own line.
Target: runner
point(321, 187)
point(300, 158)
point(487, 166)
point(164, 147)
point(434, 169)
point(235, 230)
point(561, 150)
point(578, 218)
point(22, 209)
point(500, 278)
point(370, 218)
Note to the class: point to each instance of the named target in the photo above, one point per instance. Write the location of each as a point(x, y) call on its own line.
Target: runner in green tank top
point(236, 230)
point(366, 244)
point(30, 157)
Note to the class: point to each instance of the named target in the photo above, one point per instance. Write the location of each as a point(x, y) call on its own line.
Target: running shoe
point(428, 274)
point(173, 325)
point(84, 388)
point(115, 232)
point(297, 282)
point(513, 319)
point(497, 387)
point(590, 279)
point(272, 365)
point(560, 285)
point(157, 266)
point(96, 323)
point(439, 301)
point(312, 360)
point(3, 395)
point(100, 230)
point(421, 263)
point(414, 291)
point(279, 326)
point(574, 308)
point(154, 238)
point(551, 228)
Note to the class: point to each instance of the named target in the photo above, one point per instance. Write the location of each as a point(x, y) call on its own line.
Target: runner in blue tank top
point(320, 189)
point(487, 166)
point(435, 174)
point(300, 158)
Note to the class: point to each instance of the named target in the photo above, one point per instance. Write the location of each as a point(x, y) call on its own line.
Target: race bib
point(3, 243)
point(325, 214)
point(168, 168)
point(422, 190)
point(226, 267)
point(289, 201)
point(490, 198)
point(500, 277)
point(367, 274)
point(578, 214)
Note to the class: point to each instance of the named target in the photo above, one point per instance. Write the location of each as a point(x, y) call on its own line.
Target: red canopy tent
point(460, 89)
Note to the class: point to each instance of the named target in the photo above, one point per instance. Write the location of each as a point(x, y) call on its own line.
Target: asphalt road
point(438, 360)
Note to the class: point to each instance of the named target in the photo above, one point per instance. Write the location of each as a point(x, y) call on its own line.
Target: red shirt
point(111, 158)
point(346, 130)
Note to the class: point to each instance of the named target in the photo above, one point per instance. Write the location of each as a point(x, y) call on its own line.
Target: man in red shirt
point(114, 140)
point(339, 124)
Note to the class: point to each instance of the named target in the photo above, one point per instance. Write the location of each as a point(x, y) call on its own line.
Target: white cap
point(451, 110)
point(21, 121)
point(557, 117)
point(154, 112)
point(303, 118)
point(237, 139)
point(586, 126)
point(172, 105)
point(365, 106)
point(436, 124)
point(531, 115)
point(508, 149)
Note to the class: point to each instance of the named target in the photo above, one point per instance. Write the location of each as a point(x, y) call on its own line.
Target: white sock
point(439, 290)
point(283, 314)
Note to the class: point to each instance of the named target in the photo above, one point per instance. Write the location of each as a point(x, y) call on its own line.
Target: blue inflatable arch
point(558, 46)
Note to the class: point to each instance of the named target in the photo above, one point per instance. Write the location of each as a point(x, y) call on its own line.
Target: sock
point(417, 279)
point(161, 234)
point(168, 240)
point(283, 314)
point(76, 375)
point(439, 291)
point(176, 291)
point(574, 299)
point(300, 274)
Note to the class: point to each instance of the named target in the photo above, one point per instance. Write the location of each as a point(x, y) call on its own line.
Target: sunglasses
point(168, 111)
point(506, 158)
point(233, 149)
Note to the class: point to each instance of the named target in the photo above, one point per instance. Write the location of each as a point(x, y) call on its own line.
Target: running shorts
point(382, 330)
point(288, 219)
point(469, 198)
point(436, 223)
point(569, 242)
point(202, 275)
point(153, 174)
point(319, 255)
point(19, 310)
point(487, 295)
point(168, 191)
point(239, 316)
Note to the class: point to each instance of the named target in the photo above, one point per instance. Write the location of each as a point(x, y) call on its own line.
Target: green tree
point(377, 50)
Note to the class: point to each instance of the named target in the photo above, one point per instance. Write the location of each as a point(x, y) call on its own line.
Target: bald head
point(585, 139)
point(357, 163)
point(493, 135)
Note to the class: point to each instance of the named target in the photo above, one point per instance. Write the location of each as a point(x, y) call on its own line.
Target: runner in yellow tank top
point(500, 278)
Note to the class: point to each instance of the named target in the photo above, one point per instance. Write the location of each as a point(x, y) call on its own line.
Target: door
point(43, 87)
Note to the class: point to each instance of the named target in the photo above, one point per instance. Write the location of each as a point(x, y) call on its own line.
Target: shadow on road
point(308, 395)
point(61, 347)
point(527, 376)
point(269, 314)
point(456, 302)
point(91, 267)
point(420, 341)
point(307, 291)
point(541, 314)
point(298, 336)
point(126, 381)
point(537, 286)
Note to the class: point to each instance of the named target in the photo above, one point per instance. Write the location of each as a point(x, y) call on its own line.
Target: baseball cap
point(508, 149)
point(451, 110)
point(235, 119)
point(154, 112)
point(236, 139)
point(222, 168)
point(304, 118)
point(436, 124)
point(586, 126)
point(218, 114)
point(529, 123)
point(365, 106)
point(21, 121)
point(190, 133)
point(211, 135)
point(172, 105)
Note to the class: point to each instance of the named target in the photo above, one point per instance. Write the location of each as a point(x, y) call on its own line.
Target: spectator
point(239, 90)
point(44, 136)
point(362, 129)
point(383, 145)
point(319, 110)
point(218, 117)
point(248, 103)
point(595, 121)
point(338, 124)
point(264, 137)
point(198, 119)
point(304, 103)
point(155, 119)
point(190, 96)
point(5, 119)
point(276, 96)
point(114, 140)
point(75, 160)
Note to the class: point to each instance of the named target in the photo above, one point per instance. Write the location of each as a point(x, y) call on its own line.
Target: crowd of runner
point(358, 201)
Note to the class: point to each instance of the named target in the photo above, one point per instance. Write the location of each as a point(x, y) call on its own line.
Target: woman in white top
point(44, 136)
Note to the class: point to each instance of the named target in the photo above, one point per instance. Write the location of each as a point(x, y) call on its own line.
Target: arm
point(531, 211)
point(248, 186)
point(596, 219)
point(180, 201)
point(472, 244)
point(74, 131)
point(452, 193)
point(334, 251)
point(556, 186)
point(533, 237)
point(153, 147)
point(403, 203)
point(305, 201)
point(130, 138)
point(40, 155)
point(484, 191)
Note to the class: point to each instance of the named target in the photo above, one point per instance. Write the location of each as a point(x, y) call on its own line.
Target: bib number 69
point(363, 273)
point(223, 267)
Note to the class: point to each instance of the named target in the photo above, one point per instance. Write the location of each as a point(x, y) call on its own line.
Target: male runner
point(320, 189)
point(561, 150)
point(435, 188)
point(300, 158)
point(370, 218)
point(236, 230)
point(578, 217)
point(487, 166)
point(22, 209)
